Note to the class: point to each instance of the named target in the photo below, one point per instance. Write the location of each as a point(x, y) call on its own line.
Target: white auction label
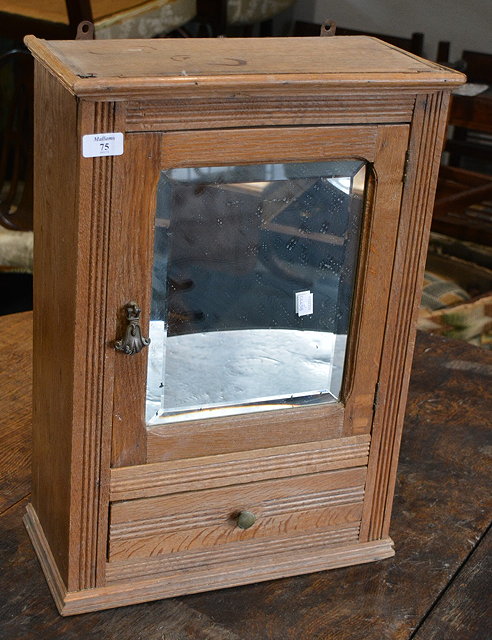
point(95, 145)
point(304, 303)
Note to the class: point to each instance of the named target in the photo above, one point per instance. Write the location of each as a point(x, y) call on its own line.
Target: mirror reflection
point(253, 277)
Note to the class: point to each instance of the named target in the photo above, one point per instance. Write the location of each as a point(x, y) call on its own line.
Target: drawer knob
point(245, 519)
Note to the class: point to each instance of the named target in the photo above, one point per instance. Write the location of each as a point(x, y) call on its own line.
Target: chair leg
point(266, 28)
point(212, 15)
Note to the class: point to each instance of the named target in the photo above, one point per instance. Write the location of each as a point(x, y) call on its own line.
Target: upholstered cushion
point(251, 11)
point(450, 306)
point(439, 292)
point(471, 322)
point(15, 250)
point(146, 20)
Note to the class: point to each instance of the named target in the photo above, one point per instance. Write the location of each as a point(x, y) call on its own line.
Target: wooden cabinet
point(259, 210)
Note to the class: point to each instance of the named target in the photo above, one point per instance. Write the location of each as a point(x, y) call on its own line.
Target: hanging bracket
point(328, 28)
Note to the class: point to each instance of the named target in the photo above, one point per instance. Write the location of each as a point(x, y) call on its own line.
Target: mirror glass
point(253, 277)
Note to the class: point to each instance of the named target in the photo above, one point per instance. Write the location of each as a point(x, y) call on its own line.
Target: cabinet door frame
point(130, 269)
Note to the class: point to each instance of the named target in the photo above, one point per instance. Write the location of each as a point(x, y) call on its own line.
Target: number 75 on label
point(96, 145)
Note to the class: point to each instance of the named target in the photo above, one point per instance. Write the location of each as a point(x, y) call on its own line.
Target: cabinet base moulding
point(177, 583)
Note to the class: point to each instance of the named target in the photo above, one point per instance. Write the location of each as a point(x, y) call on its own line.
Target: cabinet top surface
point(89, 67)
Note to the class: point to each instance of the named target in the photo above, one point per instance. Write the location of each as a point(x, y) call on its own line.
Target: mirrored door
point(252, 287)
point(262, 262)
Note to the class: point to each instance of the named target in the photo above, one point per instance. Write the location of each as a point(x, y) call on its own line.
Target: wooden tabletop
point(111, 18)
point(56, 10)
point(437, 586)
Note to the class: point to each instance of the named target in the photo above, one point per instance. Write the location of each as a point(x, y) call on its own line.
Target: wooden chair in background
point(16, 178)
point(52, 20)
point(463, 207)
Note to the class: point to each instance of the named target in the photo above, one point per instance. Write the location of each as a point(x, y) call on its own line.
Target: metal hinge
point(405, 166)
point(376, 396)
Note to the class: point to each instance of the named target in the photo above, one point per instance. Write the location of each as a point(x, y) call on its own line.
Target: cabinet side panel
point(55, 232)
point(95, 351)
point(426, 141)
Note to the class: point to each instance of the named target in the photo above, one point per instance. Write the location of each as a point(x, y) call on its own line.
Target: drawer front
point(196, 520)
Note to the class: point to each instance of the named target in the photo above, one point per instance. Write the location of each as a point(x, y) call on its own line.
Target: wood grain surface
point(246, 110)
point(208, 472)
point(464, 610)
point(54, 331)
point(114, 69)
point(197, 57)
point(15, 402)
point(435, 587)
point(199, 519)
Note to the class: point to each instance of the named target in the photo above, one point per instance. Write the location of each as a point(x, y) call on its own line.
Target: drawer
point(196, 520)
